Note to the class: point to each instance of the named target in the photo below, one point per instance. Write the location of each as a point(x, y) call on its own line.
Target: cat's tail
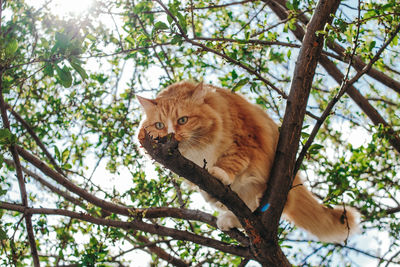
point(327, 224)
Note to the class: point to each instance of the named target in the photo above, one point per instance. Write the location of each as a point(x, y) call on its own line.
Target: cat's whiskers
point(195, 141)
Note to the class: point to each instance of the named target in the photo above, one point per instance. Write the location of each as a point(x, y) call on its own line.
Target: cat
point(237, 140)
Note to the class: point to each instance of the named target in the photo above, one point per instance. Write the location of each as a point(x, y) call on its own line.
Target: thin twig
point(222, 55)
point(345, 86)
point(32, 133)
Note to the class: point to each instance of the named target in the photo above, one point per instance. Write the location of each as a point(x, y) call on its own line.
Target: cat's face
point(183, 112)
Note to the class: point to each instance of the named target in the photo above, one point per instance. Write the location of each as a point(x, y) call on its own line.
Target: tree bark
point(282, 172)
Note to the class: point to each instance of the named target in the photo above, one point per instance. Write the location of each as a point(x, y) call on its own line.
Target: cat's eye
point(183, 120)
point(159, 125)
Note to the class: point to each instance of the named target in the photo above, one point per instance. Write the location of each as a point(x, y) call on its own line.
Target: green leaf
point(177, 40)
point(395, 41)
point(160, 26)
point(4, 133)
point(314, 148)
point(247, 36)
point(240, 84)
point(11, 47)
point(305, 134)
point(234, 75)
point(64, 155)
point(57, 152)
point(289, 54)
point(6, 137)
point(65, 76)
point(91, 37)
point(77, 66)
point(48, 69)
point(62, 42)
point(182, 21)
point(67, 166)
point(292, 26)
point(2, 192)
point(130, 40)
point(372, 45)
point(169, 18)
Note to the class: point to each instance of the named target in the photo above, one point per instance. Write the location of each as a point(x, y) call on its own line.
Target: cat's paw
point(227, 221)
point(221, 175)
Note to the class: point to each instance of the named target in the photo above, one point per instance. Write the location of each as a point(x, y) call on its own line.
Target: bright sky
point(64, 7)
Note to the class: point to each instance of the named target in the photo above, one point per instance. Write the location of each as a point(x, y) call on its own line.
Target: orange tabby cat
point(238, 141)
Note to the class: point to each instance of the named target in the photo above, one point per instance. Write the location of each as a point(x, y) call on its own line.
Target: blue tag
point(265, 207)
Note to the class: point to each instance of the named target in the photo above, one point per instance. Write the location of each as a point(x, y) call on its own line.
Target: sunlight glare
point(70, 7)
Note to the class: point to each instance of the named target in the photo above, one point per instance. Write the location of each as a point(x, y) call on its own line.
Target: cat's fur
point(237, 140)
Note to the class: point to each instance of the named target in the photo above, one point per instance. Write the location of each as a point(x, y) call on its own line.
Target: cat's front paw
point(227, 221)
point(221, 175)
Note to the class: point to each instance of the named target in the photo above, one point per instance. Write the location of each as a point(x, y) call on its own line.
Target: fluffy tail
point(329, 225)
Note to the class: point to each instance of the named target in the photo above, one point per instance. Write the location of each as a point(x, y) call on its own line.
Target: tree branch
point(282, 174)
point(359, 64)
point(345, 86)
point(127, 211)
point(136, 224)
point(162, 253)
point(165, 151)
point(53, 188)
point(220, 54)
point(154, 213)
point(20, 178)
point(333, 71)
point(32, 133)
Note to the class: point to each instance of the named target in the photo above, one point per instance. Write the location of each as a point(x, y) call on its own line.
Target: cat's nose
point(170, 127)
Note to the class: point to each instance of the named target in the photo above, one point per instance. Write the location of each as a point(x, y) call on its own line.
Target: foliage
point(69, 83)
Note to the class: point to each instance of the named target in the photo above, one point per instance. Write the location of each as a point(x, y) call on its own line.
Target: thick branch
point(165, 151)
point(282, 170)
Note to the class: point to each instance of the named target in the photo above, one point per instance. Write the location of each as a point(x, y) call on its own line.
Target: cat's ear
point(147, 104)
point(199, 93)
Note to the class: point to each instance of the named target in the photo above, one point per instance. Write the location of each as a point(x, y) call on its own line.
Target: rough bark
point(282, 172)
point(165, 151)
